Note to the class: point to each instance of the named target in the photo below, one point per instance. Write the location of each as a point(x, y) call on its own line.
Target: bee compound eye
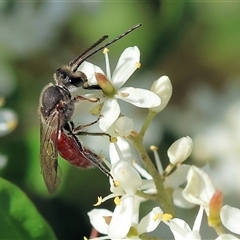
point(78, 79)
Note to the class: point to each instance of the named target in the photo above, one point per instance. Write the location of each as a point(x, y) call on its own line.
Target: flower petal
point(127, 176)
point(97, 219)
point(199, 189)
point(121, 219)
point(109, 113)
point(90, 69)
point(139, 97)
point(198, 220)
point(84, 106)
point(179, 228)
point(149, 223)
point(178, 177)
point(227, 237)
point(193, 235)
point(126, 66)
point(230, 217)
point(179, 200)
point(124, 126)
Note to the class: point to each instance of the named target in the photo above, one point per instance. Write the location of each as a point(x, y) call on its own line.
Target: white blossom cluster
point(8, 122)
point(179, 184)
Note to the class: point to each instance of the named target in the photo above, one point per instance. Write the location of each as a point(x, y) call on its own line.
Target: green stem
point(146, 124)
point(163, 196)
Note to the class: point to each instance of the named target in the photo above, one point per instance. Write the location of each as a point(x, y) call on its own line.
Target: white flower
point(111, 86)
point(163, 88)
point(128, 178)
point(180, 150)
point(199, 189)
point(98, 219)
point(124, 220)
point(181, 229)
point(127, 182)
point(101, 220)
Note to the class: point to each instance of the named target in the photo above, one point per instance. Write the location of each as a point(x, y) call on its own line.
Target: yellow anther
point(167, 217)
point(117, 201)
point(138, 65)
point(105, 50)
point(116, 183)
point(153, 148)
point(114, 139)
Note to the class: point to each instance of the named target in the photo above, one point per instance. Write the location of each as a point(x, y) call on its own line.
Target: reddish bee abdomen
point(72, 151)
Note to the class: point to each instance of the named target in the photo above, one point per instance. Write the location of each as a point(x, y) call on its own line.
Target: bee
point(56, 108)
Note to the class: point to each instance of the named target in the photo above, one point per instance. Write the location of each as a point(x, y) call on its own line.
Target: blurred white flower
point(3, 161)
point(8, 121)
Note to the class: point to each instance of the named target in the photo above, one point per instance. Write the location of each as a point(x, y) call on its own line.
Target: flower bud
point(129, 179)
point(124, 126)
point(215, 206)
point(180, 150)
point(163, 88)
point(105, 84)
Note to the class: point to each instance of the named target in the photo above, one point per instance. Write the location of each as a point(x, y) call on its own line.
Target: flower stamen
point(99, 202)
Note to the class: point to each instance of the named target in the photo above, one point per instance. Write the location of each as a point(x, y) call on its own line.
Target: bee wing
point(48, 151)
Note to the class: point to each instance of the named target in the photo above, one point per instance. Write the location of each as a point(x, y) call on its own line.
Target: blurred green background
point(197, 44)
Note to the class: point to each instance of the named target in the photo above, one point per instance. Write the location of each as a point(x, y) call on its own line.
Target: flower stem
point(163, 196)
point(146, 124)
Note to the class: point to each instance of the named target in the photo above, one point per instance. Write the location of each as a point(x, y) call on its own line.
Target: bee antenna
point(90, 51)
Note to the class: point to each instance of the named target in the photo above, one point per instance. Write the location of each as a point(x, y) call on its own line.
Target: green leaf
point(19, 218)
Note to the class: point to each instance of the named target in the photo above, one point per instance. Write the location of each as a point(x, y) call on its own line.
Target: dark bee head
point(71, 80)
